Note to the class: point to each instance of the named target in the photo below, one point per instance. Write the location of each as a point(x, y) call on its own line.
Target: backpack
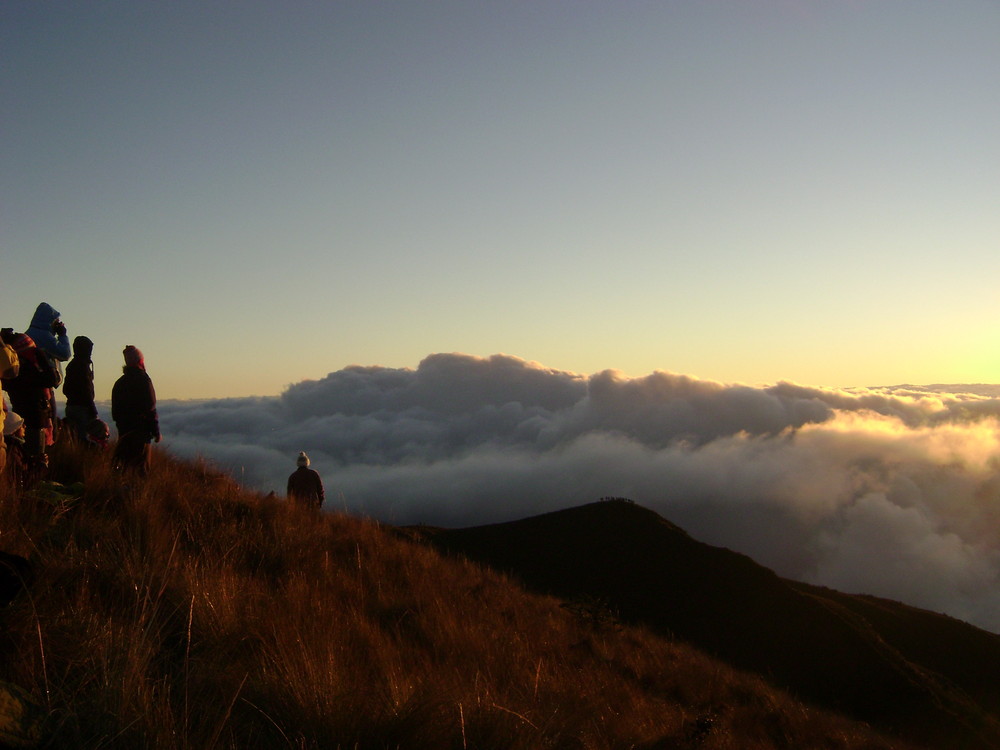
point(10, 365)
point(48, 369)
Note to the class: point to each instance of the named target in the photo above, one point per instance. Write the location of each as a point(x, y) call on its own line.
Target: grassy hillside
point(911, 672)
point(181, 612)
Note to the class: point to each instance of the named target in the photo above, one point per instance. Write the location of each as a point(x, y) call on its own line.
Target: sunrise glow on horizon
point(255, 195)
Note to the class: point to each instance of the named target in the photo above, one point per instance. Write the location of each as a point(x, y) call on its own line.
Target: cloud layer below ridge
point(891, 491)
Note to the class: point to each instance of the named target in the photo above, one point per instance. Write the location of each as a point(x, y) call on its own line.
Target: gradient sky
point(257, 193)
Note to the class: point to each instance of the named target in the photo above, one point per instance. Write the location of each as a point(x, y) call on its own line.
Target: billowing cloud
point(893, 491)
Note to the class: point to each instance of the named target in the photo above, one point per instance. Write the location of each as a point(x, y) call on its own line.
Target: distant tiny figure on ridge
point(305, 485)
point(78, 388)
point(133, 409)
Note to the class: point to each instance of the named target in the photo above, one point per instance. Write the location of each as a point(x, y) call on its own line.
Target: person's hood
point(45, 315)
point(83, 347)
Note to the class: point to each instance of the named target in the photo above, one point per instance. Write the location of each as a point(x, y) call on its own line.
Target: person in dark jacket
point(133, 409)
point(305, 485)
point(78, 388)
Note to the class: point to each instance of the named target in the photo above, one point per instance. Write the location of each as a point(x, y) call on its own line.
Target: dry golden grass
point(181, 612)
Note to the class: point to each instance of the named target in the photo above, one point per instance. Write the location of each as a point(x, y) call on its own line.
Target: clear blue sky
point(255, 193)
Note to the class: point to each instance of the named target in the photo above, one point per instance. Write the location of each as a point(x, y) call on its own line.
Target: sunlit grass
point(182, 612)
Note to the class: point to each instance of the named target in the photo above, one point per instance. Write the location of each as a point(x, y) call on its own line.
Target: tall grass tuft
point(179, 611)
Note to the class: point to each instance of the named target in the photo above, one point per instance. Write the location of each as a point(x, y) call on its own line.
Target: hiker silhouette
point(78, 388)
point(133, 409)
point(305, 485)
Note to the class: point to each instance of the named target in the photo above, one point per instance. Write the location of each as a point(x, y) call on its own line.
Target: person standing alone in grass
point(305, 485)
point(133, 408)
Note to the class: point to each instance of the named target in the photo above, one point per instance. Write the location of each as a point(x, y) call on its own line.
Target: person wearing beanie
point(133, 409)
point(305, 485)
point(12, 421)
point(98, 434)
point(16, 468)
point(133, 357)
point(78, 388)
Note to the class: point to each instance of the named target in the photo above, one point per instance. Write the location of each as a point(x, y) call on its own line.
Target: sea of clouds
point(891, 491)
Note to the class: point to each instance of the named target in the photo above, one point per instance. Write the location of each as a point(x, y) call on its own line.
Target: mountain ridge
point(909, 671)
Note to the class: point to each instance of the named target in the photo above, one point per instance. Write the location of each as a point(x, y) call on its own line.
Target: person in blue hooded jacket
point(50, 337)
point(49, 332)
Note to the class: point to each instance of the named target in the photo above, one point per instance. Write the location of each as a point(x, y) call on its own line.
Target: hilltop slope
point(912, 672)
point(181, 612)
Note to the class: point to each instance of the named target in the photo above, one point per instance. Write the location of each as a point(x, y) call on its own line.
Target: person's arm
point(60, 341)
point(63, 350)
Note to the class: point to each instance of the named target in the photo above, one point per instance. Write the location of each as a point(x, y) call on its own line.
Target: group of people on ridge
point(30, 373)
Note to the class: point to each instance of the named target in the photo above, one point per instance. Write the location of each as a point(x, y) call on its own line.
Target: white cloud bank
point(891, 491)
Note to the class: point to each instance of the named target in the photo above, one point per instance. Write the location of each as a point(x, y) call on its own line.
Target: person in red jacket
point(305, 485)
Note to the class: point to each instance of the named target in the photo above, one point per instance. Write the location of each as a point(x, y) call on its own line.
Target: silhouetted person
point(305, 485)
point(133, 409)
point(78, 388)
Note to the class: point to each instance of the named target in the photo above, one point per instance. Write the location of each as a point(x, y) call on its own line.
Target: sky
point(736, 261)
point(260, 193)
